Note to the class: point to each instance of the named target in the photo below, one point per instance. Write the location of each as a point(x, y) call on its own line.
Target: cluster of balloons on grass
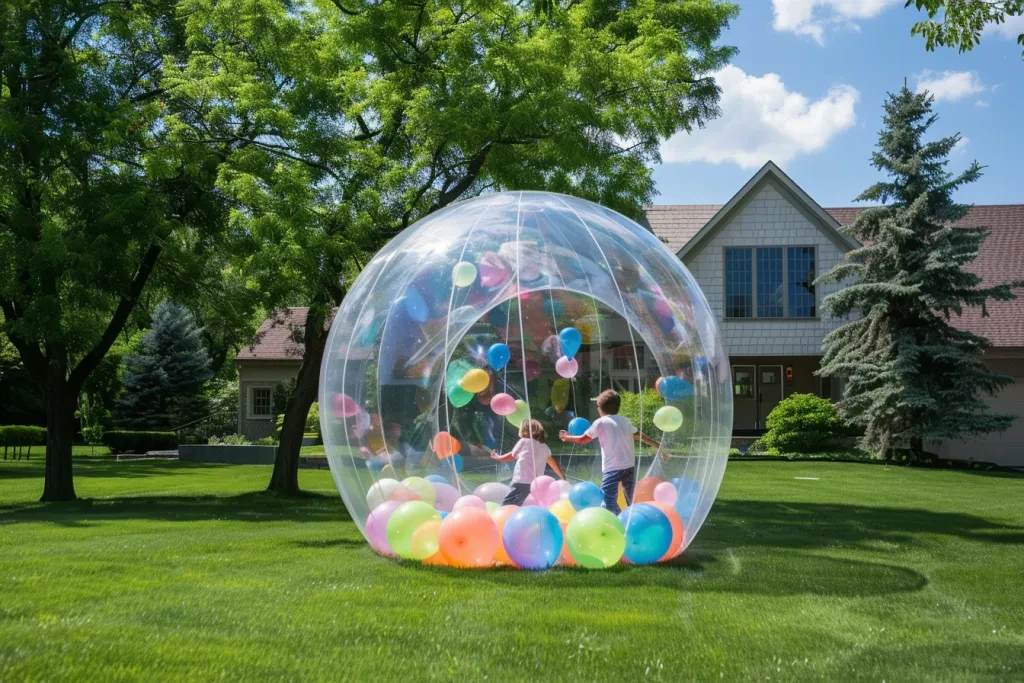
point(398, 363)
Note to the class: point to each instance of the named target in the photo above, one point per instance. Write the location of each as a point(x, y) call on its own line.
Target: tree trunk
point(916, 449)
point(285, 478)
point(58, 483)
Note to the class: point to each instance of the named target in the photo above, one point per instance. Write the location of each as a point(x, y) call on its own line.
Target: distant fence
point(216, 424)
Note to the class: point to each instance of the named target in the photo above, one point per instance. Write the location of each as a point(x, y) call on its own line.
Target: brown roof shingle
point(274, 340)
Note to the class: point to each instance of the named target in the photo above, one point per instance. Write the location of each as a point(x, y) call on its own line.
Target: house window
point(739, 278)
point(743, 383)
point(261, 404)
point(623, 358)
point(770, 282)
point(801, 282)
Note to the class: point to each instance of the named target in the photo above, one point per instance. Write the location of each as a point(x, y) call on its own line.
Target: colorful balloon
point(377, 527)
point(503, 404)
point(403, 523)
point(380, 491)
point(500, 516)
point(596, 538)
point(492, 492)
point(344, 406)
point(469, 538)
point(415, 306)
point(586, 494)
point(570, 341)
point(498, 355)
point(469, 502)
point(674, 388)
point(577, 426)
point(436, 479)
point(459, 396)
point(494, 271)
point(560, 394)
point(563, 510)
point(644, 491)
point(463, 274)
point(422, 488)
point(446, 445)
point(425, 540)
point(445, 496)
point(668, 418)
point(403, 495)
point(522, 412)
point(532, 537)
point(567, 367)
point(675, 546)
point(475, 381)
point(648, 533)
point(564, 488)
point(552, 347)
point(666, 493)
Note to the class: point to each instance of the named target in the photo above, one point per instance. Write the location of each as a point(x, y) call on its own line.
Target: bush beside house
point(124, 441)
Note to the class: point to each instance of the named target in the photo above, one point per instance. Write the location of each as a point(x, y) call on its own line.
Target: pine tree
point(163, 383)
point(911, 376)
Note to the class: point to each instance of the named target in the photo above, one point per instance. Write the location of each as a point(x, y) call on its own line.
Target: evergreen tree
point(911, 375)
point(164, 382)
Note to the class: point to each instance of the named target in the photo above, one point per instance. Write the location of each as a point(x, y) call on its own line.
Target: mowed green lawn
point(172, 571)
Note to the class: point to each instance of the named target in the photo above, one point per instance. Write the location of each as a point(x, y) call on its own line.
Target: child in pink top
point(531, 455)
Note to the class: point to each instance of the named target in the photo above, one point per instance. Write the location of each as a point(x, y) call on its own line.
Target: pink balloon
point(469, 502)
point(541, 483)
point(545, 490)
point(530, 500)
point(503, 404)
point(532, 369)
point(445, 496)
point(344, 405)
point(377, 527)
point(403, 495)
point(563, 488)
point(666, 493)
point(567, 367)
point(552, 347)
point(492, 492)
point(493, 270)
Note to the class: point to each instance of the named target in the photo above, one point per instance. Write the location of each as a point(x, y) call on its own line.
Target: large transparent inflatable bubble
point(480, 334)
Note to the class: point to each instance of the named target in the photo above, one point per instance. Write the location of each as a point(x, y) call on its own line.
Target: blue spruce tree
point(911, 376)
point(163, 383)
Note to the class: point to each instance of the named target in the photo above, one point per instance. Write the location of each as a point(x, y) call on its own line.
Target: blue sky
point(806, 91)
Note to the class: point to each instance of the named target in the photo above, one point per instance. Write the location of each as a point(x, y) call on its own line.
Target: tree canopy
point(911, 375)
point(962, 21)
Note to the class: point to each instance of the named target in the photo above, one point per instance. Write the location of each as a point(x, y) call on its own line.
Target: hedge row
point(21, 435)
point(139, 442)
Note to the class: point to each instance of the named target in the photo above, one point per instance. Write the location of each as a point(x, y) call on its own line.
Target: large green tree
point(352, 119)
point(911, 375)
point(960, 23)
point(98, 197)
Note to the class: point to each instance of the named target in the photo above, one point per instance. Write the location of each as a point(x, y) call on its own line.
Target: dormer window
point(770, 282)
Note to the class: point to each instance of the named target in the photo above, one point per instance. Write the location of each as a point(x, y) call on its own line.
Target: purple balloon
point(377, 527)
point(445, 496)
point(533, 538)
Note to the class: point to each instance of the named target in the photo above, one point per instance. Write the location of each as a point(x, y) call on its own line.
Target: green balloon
point(668, 419)
point(596, 538)
point(459, 396)
point(522, 412)
point(403, 523)
point(463, 274)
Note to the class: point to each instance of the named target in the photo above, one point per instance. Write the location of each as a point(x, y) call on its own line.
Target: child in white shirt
point(618, 462)
point(530, 455)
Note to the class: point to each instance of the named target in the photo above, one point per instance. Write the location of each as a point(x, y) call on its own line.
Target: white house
point(756, 258)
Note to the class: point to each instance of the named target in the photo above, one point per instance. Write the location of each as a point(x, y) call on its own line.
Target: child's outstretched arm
point(578, 440)
point(647, 440)
point(502, 458)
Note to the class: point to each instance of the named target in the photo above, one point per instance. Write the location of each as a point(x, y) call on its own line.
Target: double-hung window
point(770, 282)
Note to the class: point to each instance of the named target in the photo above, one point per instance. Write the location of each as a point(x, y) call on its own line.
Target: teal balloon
point(498, 356)
point(570, 340)
point(648, 533)
point(459, 396)
point(415, 306)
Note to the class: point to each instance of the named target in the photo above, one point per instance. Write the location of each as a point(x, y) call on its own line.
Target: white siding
point(769, 218)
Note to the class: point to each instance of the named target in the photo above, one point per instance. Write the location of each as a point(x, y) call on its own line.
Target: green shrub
point(803, 423)
point(93, 435)
point(125, 441)
point(22, 435)
point(734, 452)
point(629, 408)
point(313, 420)
point(229, 440)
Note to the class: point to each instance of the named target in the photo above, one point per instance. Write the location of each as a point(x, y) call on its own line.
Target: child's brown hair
point(532, 429)
point(608, 402)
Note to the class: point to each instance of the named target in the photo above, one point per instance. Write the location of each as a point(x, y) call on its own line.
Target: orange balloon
point(565, 558)
point(446, 445)
point(437, 559)
point(375, 440)
point(644, 492)
point(500, 516)
point(469, 538)
point(677, 529)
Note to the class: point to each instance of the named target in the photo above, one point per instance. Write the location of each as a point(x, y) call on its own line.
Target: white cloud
point(762, 120)
point(810, 17)
point(961, 145)
point(949, 85)
point(1011, 28)
point(982, 104)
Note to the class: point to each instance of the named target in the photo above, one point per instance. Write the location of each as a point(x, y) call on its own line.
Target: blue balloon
point(687, 498)
point(586, 494)
point(675, 388)
point(648, 533)
point(415, 306)
point(436, 478)
point(570, 340)
point(498, 356)
point(532, 538)
point(578, 425)
point(443, 514)
point(457, 461)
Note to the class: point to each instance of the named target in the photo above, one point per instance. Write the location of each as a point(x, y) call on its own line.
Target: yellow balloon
point(562, 510)
point(560, 394)
point(522, 412)
point(668, 419)
point(475, 381)
point(622, 498)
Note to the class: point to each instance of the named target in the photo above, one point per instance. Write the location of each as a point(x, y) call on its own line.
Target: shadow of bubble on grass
point(776, 574)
